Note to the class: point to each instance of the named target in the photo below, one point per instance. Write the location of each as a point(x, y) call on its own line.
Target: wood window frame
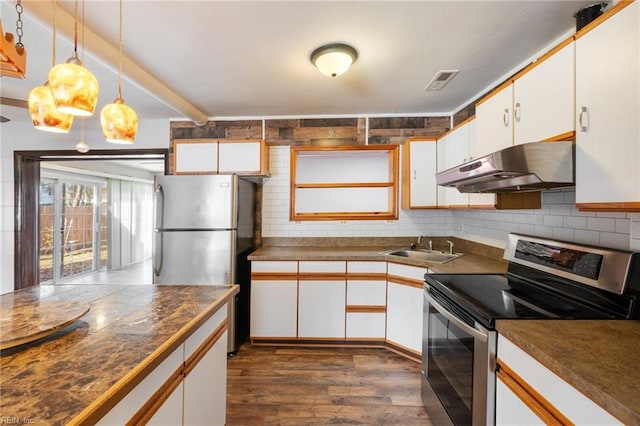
point(391, 213)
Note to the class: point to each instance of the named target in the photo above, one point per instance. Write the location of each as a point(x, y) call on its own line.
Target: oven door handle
point(477, 334)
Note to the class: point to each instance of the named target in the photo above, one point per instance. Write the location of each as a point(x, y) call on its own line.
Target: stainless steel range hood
point(528, 167)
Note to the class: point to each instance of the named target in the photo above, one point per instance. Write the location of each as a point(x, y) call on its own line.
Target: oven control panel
point(578, 262)
point(600, 267)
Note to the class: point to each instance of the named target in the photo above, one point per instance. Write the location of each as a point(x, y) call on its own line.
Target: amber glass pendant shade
point(74, 88)
point(44, 114)
point(119, 122)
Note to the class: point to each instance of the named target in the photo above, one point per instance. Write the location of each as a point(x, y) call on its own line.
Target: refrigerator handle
point(159, 209)
point(157, 254)
point(159, 205)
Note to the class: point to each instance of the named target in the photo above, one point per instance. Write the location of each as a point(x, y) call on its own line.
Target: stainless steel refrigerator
point(203, 233)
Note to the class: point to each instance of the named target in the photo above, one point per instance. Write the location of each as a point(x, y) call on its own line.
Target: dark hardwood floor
point(304, 386)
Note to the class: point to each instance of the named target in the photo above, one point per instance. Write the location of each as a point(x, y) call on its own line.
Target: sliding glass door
point(73, 235)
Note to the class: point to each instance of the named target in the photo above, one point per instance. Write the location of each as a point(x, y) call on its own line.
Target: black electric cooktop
point(487, 297)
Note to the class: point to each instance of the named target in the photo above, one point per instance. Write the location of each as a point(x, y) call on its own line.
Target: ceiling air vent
point(440, 80)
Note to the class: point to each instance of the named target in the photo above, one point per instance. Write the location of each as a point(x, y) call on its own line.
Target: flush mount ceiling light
point(74, 88)
point(119, 121)
point(333, 59)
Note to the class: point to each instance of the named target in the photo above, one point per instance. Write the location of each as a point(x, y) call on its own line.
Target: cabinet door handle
point(505, 117)
point(583, 119)
point(516, 112)
point(414, 174)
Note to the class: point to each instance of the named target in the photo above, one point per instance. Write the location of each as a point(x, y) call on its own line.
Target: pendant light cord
point(75, 31)
point(53, 50)
point(82, 36)
point(120, 56)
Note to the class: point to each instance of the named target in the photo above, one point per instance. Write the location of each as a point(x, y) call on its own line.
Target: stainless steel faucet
point(430, 243)
point(450, 246)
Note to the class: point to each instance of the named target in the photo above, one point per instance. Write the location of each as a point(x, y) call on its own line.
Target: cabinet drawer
point(143, 391)
point(407, 271)
point(366, 267)
point(275, 266)
point(363, 292)
point(200, 335)
point(322, 266)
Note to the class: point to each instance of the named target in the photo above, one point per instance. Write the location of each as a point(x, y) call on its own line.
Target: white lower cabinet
point(365, 325)
point(170, 412)
point(404, 306)
point(274, 299)
point(204, 392)
point(130, 405)
point(194, 376)
point(321, 309)
point(529, 393)
point(404, 316)
point(366, 300)
point(274, 308)
point(321, 299)
point(511, 410)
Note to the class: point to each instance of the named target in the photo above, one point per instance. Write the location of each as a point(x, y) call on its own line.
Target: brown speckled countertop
point(470, 262)
point(52, 380)
point(600, 358)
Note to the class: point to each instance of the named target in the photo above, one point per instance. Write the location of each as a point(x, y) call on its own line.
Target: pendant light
point(74, 88)
point(82, 146)
point(119, 121)
point(42, 108)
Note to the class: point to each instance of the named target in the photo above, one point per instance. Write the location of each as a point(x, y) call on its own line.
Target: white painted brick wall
point(558, 218)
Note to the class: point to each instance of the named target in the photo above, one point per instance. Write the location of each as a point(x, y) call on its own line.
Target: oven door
point(460, 364)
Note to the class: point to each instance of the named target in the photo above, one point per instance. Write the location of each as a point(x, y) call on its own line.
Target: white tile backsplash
point(634, 231)
point(558, 218)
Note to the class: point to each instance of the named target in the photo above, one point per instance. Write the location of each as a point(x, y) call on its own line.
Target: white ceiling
point(251, 58)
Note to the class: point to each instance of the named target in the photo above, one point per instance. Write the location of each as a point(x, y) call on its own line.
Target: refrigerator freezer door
point(194, 257)
point(195, 202)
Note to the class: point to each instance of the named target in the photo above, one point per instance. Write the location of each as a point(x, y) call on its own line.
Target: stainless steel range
point(545, 279)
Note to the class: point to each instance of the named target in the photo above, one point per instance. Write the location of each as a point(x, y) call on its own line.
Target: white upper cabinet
point(453, 150)
point(544, 98)
point(419, 159)
point(244, 157)
point(608, 113)
point(241, 157)
point(494, 123)
point(536, 105)
point(195, 157)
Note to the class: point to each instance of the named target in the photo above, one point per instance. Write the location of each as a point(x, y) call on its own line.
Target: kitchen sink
point(427, 255)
